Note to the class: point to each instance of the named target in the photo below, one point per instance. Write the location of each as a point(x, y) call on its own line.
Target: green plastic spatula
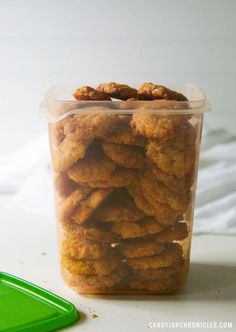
point(27, 307)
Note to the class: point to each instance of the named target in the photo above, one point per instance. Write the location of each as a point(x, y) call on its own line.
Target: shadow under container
point(125, 182)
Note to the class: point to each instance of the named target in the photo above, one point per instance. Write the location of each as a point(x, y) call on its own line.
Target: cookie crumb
point(94, 316)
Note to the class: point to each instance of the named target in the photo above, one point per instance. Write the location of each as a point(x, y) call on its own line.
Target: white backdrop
point(44, 41)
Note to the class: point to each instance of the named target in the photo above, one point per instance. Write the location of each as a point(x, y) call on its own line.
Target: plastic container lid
point(27, 307)
point(59, 102)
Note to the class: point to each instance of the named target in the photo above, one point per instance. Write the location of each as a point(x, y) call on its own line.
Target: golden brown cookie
point(119, 207)
point(56, 131)
point(67, 153)
point(169, 180)
point(91, 232)
point(89, 204)
point(88, 93)
point(70, 203)
point(95, 283)
point(152, 208)
point(135, 191)
point(161, 127)
point(160, 286)
point(96, 123)
point(123, 155)
point(121, 177)
point(175, 156)
point(63, 184)
point(155, 192)
point(170, 255)
point(128, 230)
point(150, 91)
point(103, 266)
point(141, 248)
point(164, 272)
point(176, 232)
point(123, 134)
point(94, 167)
point(81, 248)
point(118, 91)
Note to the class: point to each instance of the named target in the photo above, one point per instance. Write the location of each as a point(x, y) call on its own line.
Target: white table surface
point(29, 250)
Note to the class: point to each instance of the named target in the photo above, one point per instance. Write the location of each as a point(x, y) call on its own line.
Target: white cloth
point(215, 210)
point(26, 175)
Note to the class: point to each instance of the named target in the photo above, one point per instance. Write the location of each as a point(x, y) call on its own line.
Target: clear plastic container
point(125, 180)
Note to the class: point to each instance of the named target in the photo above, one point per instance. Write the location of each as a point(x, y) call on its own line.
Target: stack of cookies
point(124, 188)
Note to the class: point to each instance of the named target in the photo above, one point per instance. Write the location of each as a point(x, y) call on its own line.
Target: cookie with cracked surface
point(94, 167)
point(70, 203)
point(89, 204)
point(116, 90)
point(152, 208)
point(123, 155)
point(175, 156)
point(150, 91)
point(156, 192)
point(121, 177)
point(160, 286)
point(119, 207)
point(123, 134)
point(170, 255)
point(128, 230)
point(83, 249)
point(160, 127)
point(164, 272)
point(171, 181)
point(96, 283)
point(94, 124)
point(141, 248)
point(102, 266)
point(92, 231)
point(176, 232)
point(88, 93)
point(67, 153)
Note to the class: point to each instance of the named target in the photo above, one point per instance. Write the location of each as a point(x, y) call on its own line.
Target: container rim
point(58, 104)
